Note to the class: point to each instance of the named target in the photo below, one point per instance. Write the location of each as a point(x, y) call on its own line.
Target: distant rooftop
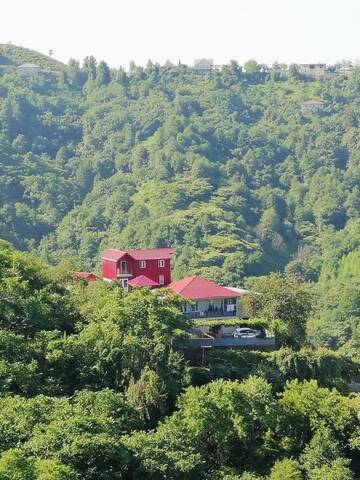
point(29, 65)
point(203, 62)
point(312, 102)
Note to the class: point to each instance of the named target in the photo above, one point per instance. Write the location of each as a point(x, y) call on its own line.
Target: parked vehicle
point(245, 332)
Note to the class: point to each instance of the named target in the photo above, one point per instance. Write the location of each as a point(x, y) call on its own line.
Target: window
point(125, 284)
point(161, 279)
point(142, 264)
point(123, 268)
point(194, 307)
point(161, 263)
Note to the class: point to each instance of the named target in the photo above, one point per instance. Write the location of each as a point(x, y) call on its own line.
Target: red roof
point(137, 254)
point(113, 254)
point(142, 281)
point(196, 288)
point(151, 253)
point(88, 276)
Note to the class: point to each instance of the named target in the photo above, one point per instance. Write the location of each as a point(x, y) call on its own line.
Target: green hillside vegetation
point(15, 55)
point(223, 167)
point(92, 389)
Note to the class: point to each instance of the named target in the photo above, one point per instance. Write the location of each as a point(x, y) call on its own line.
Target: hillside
point(224, 167)
point(15, 55)
point(99, 383)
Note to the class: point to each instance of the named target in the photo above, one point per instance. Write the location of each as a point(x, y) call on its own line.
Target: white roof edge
point(29, 65)
point(236, 290)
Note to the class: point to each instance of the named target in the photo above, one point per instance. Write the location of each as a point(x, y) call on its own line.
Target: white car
point(244, 332)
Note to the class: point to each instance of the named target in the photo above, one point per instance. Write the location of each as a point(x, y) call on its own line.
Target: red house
point(149, 267)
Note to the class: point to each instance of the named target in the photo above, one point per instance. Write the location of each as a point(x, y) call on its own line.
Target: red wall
point(109, 269)
point(153, 271)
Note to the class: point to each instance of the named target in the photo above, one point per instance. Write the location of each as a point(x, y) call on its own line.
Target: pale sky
point(118, 31)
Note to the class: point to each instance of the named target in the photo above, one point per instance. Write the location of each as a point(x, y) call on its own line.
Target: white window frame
point(161, 263)
point(123, 266)
point(125, 284)
point(142, 263)
point(161, 279)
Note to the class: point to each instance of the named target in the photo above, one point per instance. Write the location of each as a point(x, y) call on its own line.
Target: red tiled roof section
point(147, 254)
point(151, 253)
point(113, 254)
point(88, 276)
point(196, 288)
point(142, 281)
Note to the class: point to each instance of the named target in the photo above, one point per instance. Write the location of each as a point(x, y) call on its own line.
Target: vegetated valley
point(251, 192)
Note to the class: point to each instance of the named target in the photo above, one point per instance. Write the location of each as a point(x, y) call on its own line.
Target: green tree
point(103, 75)
point(147, 395)
point(322, 450)
point(14, 465)
point(285, 303)
point(338, 470)
point(251, 66)
point(286, 469)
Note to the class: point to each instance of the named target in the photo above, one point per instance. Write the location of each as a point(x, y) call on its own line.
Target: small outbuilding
point(87, 276)
point(311, 106)
point(29, 69)
point(204, 65)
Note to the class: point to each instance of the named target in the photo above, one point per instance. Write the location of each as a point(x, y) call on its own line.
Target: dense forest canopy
point(226, 168)
point(92, 389)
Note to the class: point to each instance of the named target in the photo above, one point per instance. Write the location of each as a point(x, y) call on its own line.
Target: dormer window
point(142, 263)
point(161, 263)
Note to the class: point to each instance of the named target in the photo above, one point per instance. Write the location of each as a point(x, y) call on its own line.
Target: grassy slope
point(14, 55)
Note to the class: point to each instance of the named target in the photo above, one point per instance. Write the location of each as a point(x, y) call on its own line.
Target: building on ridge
point(203, 65)
point(29, 69)
point(315, 70)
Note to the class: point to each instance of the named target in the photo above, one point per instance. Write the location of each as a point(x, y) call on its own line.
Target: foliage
point(285, 303)
point(286, 470)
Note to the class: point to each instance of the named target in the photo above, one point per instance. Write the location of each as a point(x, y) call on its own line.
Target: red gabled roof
point(196, 288)
point(112, 254)
point(142, 281)
point(151, 253)
point(137, 254)
point(88, 276)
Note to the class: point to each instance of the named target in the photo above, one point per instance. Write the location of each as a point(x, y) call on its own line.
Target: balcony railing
point(124, 272)
point(211, 314)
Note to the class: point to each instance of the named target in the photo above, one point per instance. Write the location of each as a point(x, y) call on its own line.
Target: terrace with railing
point(217, 313)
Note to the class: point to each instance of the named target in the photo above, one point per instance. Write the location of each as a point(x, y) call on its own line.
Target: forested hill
point(14, 55)
point(101, 384)
point(223, 166)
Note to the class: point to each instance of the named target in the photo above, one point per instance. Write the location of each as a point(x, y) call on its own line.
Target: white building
point(204, 65)
point(311, 106)
point(316, 70)
point(29, 69)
